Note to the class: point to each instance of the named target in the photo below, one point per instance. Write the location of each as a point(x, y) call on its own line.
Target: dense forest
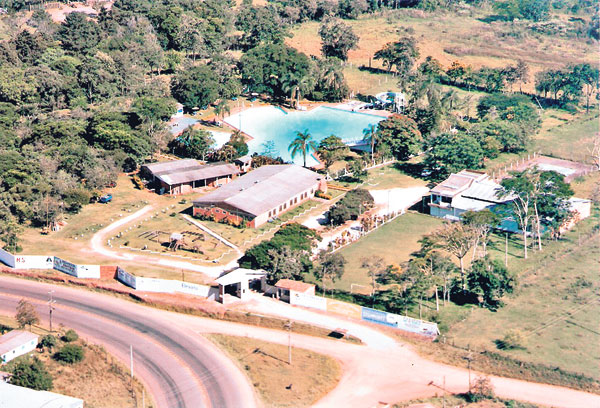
point(82, 100)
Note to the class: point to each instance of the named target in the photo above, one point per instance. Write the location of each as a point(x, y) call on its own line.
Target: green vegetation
point(69, 353)
point(351, 206)
point(31, 373)
point(69, 336)
point(277, 382)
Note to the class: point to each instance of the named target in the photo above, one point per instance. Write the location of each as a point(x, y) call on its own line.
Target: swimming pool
point(270, 123)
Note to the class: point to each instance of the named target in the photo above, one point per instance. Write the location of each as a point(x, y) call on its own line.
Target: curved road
point(179, 368)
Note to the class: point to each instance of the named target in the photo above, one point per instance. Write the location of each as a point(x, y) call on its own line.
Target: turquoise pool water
point(271, 123)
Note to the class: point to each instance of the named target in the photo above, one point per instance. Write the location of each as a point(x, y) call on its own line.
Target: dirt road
point(99, 239)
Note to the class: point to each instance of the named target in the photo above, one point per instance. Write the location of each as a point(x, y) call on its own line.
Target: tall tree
point(78, 34)
point(588, 76)
point(331, 149)
point(483, 222)
point(490, 280)
point(26, 314)
point(331, 267)
point(337, 38)
point(520, 188)
point(452, 152)
point(376, 269)
point(303, 143)
point(401, 135)
point(185, 86)
point(402, 54)
point(457, 238)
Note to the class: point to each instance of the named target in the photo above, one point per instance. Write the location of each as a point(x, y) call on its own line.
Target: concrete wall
point(34, 262)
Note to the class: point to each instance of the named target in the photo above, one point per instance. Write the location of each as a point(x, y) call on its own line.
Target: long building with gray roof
point(260, 195)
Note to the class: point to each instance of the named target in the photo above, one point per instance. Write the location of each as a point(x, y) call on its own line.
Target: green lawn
point(385, 177)
point(557, 305)
point(568, 140)
point(394, 242)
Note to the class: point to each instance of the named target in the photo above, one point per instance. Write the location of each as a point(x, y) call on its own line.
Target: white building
point(15, 344)
point(12, 396)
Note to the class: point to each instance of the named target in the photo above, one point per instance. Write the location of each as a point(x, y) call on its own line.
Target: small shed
point(237, 283)
point(244, 163)
point(16, 343)
point(287, 287)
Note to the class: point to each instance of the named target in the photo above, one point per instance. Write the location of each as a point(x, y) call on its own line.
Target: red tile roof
point(296, 286)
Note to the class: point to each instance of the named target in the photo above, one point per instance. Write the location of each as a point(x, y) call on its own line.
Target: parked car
point(105, 199)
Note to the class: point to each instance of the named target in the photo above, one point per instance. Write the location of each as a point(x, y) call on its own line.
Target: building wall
point(19, 351)
point(220, 213)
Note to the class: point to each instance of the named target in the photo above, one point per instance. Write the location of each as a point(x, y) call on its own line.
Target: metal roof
point(14, 396)
point(262, 189)
point(294, 285)
point(188, 170)
point(14, 339)
point(238, 275)
point(458, 182)
point(485, 190)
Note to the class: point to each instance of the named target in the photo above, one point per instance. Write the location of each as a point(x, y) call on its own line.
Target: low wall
point(404, 323)
point(33, 262)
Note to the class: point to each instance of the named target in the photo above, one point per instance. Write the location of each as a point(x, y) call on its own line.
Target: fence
point(404, 323)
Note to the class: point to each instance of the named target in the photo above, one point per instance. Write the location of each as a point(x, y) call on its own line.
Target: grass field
point(100, 380)
point(266, 364)
point(394, 242)
point(558, 311)
point(446, 37)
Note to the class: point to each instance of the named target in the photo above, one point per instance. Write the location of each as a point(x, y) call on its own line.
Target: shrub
point(513, 339)
point(31, 374)
point(70, 354)
point(320, 194)
point(354, 203)
point(481, 389)
point(69, 336)
point(48, 341)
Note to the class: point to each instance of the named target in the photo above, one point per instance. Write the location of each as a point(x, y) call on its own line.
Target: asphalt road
point(179, 368)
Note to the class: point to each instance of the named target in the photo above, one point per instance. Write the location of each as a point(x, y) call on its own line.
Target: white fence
point(33, 262)
point(302, 299)
point(164, 285)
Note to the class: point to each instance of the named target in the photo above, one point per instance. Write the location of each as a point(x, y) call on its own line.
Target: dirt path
point(100, 238)
point(386, 370)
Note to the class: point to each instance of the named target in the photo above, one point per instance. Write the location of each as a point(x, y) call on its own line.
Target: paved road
point(179, 368)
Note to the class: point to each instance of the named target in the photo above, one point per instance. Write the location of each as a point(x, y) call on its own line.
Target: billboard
point(302, 299)
point(400, 322)
point(344, 308)
point(155, 285)
point(34, 262)
point(192, 289)
point(377, 316)
point(126, 278)
point(65, 266)
point(7, 258)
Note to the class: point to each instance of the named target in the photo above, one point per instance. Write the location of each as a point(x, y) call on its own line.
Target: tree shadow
point(493, 18)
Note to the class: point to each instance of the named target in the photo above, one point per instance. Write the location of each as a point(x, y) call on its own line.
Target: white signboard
point(192, 289)
point(65, 266)
point(301, 299)
point(126, 278)
point(34, 262)
point(7, 258)
point(88, 271)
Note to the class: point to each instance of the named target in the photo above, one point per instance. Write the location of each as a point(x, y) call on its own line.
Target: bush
point(31, 374)
point(320, 194)
point(70, 354)
point(48, 341)
point(481, 389)
point(513, 339)
point(354, 203)
point(69, 336)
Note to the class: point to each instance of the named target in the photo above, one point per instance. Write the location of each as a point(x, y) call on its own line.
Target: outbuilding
point(16, 343)
point(237, 283)
point(286, 288)
point(182, 176)
point(261, 195)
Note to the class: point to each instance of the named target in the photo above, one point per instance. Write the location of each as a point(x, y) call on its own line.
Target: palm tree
point(303, 143)
point(289, 85)
point(370, 133)
point(222, 108)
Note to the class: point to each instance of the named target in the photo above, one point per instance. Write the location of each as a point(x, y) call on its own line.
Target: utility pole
point(131, 361)
point(288, 326)
point(506, 251)
point(444, 395)
point(469, 358)
point(51, 303)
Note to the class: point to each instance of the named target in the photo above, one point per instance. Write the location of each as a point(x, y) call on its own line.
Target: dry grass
point(277, 383)
point(448, 37)
point(100, 380)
